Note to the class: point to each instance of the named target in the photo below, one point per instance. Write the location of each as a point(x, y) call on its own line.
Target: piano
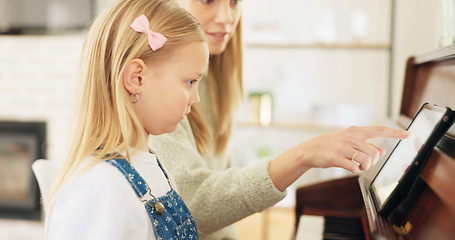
point(343, 208)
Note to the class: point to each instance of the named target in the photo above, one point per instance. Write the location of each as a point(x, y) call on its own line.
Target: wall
point(320, 57)
point(38, 80)
point(415, 33)
point(38, 76)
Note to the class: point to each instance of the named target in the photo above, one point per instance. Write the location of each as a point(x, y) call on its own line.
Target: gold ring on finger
point(353, 156)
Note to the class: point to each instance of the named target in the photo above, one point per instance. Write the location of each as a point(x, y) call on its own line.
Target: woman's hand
point(346, 149)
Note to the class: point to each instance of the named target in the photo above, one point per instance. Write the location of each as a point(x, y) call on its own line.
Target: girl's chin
point(168, 129)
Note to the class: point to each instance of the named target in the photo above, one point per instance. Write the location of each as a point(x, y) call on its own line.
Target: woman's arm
point(216, 198)
point(335, 149)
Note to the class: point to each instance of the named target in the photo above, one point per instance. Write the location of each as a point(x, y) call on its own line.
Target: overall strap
point(162, 169)
point(132, 176)
point(171, 218)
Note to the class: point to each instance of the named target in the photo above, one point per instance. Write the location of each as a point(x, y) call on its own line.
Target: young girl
point(140, 68)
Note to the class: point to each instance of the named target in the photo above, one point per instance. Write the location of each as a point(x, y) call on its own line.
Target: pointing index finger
point(381, 131)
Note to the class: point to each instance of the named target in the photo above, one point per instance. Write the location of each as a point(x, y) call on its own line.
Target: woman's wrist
point(287, 168)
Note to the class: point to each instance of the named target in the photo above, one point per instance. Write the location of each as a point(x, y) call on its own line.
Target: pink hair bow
point(156, 40)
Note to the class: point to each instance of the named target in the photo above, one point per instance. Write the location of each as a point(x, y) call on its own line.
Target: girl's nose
point(195, 98)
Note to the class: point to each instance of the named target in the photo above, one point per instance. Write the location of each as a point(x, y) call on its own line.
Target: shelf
point(353, 46)
point(306, 126)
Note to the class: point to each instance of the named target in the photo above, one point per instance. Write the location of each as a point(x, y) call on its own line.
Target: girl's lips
point(218, 36)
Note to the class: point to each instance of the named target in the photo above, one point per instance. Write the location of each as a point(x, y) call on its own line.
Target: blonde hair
point(224, 82)
point(105, 121)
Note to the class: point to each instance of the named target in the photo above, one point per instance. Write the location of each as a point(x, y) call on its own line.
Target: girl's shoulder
point(101, 178)
point(101, 172)
point(99, 201)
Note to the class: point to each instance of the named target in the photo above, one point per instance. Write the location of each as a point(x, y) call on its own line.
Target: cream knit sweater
point(217, 193)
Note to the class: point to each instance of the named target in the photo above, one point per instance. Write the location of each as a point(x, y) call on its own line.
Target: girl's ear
point(132, 76)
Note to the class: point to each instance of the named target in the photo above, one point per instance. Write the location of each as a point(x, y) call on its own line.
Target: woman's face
point(218, 18)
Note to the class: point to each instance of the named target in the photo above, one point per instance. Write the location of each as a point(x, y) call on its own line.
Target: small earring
point(137, 98)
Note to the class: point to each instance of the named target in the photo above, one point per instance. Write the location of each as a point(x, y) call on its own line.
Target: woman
point(217, 193)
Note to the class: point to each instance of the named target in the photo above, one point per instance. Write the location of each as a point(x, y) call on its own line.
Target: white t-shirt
point(101, 204)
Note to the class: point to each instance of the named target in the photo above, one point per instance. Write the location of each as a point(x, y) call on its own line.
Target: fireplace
point(21, 143)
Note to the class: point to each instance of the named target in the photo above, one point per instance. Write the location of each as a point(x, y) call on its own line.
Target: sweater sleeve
point(216, 198)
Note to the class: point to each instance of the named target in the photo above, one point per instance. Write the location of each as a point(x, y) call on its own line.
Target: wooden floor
point(276, 223)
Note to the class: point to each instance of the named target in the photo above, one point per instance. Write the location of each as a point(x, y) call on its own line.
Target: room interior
point(293, 51)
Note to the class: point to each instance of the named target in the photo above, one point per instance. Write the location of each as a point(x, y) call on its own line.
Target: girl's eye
point(233, 2)
point(189, 83)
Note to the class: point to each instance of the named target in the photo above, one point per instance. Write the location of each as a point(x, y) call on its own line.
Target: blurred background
point(310, 67)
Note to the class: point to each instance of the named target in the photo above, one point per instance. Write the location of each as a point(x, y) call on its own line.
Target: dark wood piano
point(346, 203)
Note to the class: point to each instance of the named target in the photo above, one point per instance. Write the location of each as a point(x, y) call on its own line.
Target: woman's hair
point(105, 120)
point(224, 82)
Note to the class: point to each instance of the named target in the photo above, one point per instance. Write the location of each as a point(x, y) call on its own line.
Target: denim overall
point(176, 221)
